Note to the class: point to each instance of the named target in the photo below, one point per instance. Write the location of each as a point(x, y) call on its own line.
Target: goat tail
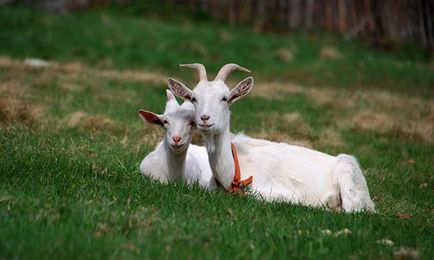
point(352, 185)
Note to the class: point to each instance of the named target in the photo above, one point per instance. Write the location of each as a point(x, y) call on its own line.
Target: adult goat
point(280, 171)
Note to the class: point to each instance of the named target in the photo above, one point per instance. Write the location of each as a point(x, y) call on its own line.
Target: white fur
point(190, 162)
point(280, 171)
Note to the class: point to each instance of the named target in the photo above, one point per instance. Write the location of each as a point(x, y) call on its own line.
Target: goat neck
point(220, 156)
point(175, 162)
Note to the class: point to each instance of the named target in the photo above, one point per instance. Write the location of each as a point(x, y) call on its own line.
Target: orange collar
point(237, 183)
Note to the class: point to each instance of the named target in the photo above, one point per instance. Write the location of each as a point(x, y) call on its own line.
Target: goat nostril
point(176, 139)
point(204, 117)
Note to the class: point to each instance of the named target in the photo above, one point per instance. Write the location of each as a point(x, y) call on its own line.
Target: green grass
point(74, 190)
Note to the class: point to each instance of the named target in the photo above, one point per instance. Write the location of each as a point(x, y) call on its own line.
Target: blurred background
point(349, 43)
point(383, 23)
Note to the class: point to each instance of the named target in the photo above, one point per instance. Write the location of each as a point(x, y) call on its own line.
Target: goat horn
point(227, 69)
point(199, 68)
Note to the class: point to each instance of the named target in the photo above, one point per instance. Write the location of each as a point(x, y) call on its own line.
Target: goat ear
point(241, 90)
point(151, 118)
point(180, 89)
point(170, 96)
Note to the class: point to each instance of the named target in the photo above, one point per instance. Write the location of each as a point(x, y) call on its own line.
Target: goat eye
point(193, 100)
point(225, 99)
point(165, 122)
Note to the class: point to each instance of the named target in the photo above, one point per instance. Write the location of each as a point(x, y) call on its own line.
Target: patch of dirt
point(289, 128)
point(368, 120)
point(75, 118)
point(297, 132)
point(78, 68)
point(290, 123)
point(12, 88)
point(329, 53)
point(321, 96)
point(131, 75)
point(14, 110)
point(98, 123)
point(7, 62)
point(115, 95)
point(13, 107)
point(410, 128)
point(296, 124)
point(380, 111)
point(331, 137)
point(285, 55)
point(70, 86)
point(92, 123)
point(281, 137)
point(383, 100)
point(275, 90)
point(71, 67)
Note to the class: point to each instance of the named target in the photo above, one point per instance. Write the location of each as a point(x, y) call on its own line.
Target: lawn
point(71, 140)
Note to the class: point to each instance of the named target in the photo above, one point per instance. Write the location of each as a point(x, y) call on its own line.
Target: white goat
point(280, 171)
point(174, 157)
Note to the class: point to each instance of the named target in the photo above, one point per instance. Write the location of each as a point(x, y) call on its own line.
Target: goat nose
point(176, 138)
point(204, 117)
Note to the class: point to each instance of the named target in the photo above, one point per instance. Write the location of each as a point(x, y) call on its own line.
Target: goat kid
point(280, 171)
point(174, 157)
